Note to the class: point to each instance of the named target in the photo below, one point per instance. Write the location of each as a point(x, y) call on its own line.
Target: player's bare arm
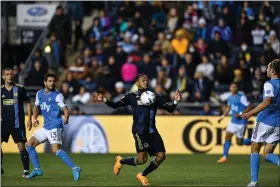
point(263, 105)
point(98, 97)
point(226, 112)
point(178, 96)
point(66, 115)
point(239, 115)
point(35, 121)
point(29, 113)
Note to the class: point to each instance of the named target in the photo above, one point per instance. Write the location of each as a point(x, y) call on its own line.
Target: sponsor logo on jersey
point(9, 101)
point(45, 107)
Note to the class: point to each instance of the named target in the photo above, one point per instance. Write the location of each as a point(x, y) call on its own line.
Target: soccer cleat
point(35, 173)
point(76, 173)
point(252, 184)
point(222, 160)
point(25, 175)
point(142, 179)
point(118, 165)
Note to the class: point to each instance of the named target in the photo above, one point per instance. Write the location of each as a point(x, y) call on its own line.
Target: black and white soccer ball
point(148, 98)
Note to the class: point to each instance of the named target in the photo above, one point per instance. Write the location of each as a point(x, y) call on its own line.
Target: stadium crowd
point(197, 47)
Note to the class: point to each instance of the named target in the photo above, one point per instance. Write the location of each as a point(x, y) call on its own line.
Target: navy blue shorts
point(150, 143)
point(18, 134)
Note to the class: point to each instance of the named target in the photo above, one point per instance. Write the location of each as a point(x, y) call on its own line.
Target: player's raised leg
point(227, 145)
point(30, 146)
point(269, 156)
point(24, 158)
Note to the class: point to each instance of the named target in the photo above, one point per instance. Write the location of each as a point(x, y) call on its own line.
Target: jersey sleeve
point(24, 95)
point(60, 100)
point(244, 101)
point(268, 90)
point(37, 103)
point(161, 103)
point(123, 102)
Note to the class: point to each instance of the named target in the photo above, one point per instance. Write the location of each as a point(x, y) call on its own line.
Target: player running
point(147, 138)
point(267, 129)
point(12, 116)
point(237, 104)
point(50, 101)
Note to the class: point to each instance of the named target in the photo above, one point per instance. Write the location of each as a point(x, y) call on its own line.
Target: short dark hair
point(139, 76)
point(234, 83)
point(275, 65)
point(6, 69)
point(49, 75)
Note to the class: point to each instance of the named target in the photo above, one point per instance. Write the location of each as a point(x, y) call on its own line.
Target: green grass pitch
point(177, 170)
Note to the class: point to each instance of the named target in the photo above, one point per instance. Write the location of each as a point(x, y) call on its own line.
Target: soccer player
point(147, 138)
point(267, 129)
point(12, 116)
point(50, 101)
point(237, 104)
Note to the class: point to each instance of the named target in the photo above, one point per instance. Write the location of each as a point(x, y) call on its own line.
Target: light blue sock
point(226, 148)
point(247, 141)
point(33, 156)
point(272, 158)
point(255, 165)
point(65, 158)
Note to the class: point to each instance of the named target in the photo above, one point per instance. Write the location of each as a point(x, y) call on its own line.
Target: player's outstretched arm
point(226, 112)
point(263, 105)
point(164, 105)
point(98, 97)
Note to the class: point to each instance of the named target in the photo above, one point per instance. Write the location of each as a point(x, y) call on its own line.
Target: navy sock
point(226, 148)
point(152, 167)
point(25, 159)
point(132, 161)
point(247, 141)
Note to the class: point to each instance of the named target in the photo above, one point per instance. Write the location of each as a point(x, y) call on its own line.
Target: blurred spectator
point(83, 97)
point(100, 55)
point(190, 65)
point(163, 80)
point(269, 52)
point(181, 84)
point(114, 68)
point(206, 67)
point(245, 53)
point(224, 73)
point(161, 91)
point(275, 45)
point(89, 84)
point(55, 48)
point(257, 84)
point(202, 88)
point(79, 69)
point(172, 20)
point(267, 32)
point(65, 90)
point(258, 36)
point(127, 45)
point(179, 43)
point(129, 72)
point(119, 91)
point(145, 45)
point(164, 43)
point(37, 56)
point(217, 47)
point(262, 21)
point(246, 73)
point(207, 111)
point(190, 18)
point(147, 67)
point(241, 83)
point(164, 65)
point(201, 31)
point(227, 16)
point(16, 71)
point(74, 84)
point(95, 29)
point(105, 21)
point(248, 10)
point(242, 33)
point(207, 11)
point(77, 111)
point(201, 46)
point(77, 16)
point(36, 76)
point(61, 26)
point(224, 30)
point(268, 10)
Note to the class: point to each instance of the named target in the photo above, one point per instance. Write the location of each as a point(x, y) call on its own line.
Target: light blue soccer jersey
point(271, 115)
point(238, 103)
point(50, 105)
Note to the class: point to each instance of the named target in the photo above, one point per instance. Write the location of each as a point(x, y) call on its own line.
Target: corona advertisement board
point(112, 134)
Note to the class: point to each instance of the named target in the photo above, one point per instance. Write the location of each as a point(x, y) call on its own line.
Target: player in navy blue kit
point(237, 104)
point(49, 101)
point(147, 138)
point(13, 97)
point(267, 129)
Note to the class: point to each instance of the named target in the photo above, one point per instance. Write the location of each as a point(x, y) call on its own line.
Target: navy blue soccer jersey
point(271, 115)
point(50, 104)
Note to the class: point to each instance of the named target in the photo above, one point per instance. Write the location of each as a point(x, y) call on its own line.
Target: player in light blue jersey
point(50, 101)
point(237, 104)
point(267, 126)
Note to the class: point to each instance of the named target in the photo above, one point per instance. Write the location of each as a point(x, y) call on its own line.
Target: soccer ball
point(148, 98)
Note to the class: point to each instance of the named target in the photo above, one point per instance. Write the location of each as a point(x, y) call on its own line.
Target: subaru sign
point(37, 11)
point(36, 15)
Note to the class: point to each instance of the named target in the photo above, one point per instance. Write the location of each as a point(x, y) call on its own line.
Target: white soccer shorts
point(236, 129)
point(54, 136)
point(265, 133)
